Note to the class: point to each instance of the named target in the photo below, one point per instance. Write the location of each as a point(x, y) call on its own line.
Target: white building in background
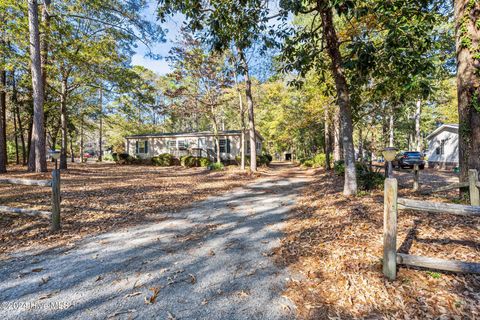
point(442, 149)
point(179, 144)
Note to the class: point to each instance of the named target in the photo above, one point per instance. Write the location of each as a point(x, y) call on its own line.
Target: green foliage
point(191, 161)
point(308, 163)
point(368, 180)
point(11, 156)
point(216, 166)
point(125, 158)
point(204, 162)
point(434, 275)
point(339, 167)
point(263, 159)
point(318, 161)
point(108, 157)
point(163, 160)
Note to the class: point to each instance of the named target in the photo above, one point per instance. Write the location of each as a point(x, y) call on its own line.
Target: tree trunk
point(30, 150)
point(15, 130)
point(327, 138)
point(215, 133)
point(18, 121)
point(468, 87)
point(81, 142)
point(63, 120)
point(251, 116)
point(3, 121)
point(343, 100)
point(37, 160)
point(44, 44)
point(337, 137)
point(385, 124)
point(360, 143)
point(418, 138)
point(72, 155)
point(100, 138)
point(391, 132)
point(242, 123)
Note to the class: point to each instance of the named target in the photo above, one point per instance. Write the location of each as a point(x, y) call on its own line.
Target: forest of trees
point(334, 77)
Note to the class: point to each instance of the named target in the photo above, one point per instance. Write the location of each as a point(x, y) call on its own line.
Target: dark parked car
point(408, 159)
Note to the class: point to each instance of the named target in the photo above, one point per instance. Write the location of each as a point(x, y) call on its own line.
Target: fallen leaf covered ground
point(334, 245)
point(102, 197)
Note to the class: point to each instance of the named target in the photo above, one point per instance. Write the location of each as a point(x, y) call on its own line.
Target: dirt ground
point(334, 244)
point(102, 197)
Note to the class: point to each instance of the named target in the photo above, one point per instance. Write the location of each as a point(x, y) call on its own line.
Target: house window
point(224, 145)
point(201, 142)
point(141, 146)
point(182, 144)
point(172, 144)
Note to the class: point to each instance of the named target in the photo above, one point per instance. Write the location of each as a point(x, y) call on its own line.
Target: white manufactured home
point(443, 147)
point(179, 144)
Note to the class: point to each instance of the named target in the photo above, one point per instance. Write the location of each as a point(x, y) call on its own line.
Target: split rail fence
point(54, 183)
point(392, 203)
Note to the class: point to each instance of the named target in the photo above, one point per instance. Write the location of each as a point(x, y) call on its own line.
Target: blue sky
point(260, 65)
point(172, 28)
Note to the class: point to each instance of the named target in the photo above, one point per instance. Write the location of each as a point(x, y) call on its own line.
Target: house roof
point(187, 134)
point(441, 128)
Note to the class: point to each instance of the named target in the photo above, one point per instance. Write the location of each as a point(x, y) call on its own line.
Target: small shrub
point(320, 160)
point(216, 166)
point(124, 158)
point(204, 162)
point(369, 180)
point(108, 157)
point(264, 159)
point(308, 163)
point(115, 156)
point(339, 167)
point(183, 159)
point(163, 160)
point(191, 162)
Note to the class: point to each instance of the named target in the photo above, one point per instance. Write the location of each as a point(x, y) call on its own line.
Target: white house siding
point(449, 157)
point(159, 145)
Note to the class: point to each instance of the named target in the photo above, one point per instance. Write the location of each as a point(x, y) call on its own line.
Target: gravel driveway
point(212, 261)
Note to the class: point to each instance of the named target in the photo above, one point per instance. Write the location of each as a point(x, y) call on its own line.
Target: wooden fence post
point(390, 229)
point(416, 184)
point(55, 200)
point(474, 192)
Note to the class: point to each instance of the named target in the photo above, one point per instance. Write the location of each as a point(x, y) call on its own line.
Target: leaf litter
point(101, 197)
point(335, 246)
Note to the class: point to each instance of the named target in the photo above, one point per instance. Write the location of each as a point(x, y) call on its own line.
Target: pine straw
point(335, 245)
point(102, 197)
